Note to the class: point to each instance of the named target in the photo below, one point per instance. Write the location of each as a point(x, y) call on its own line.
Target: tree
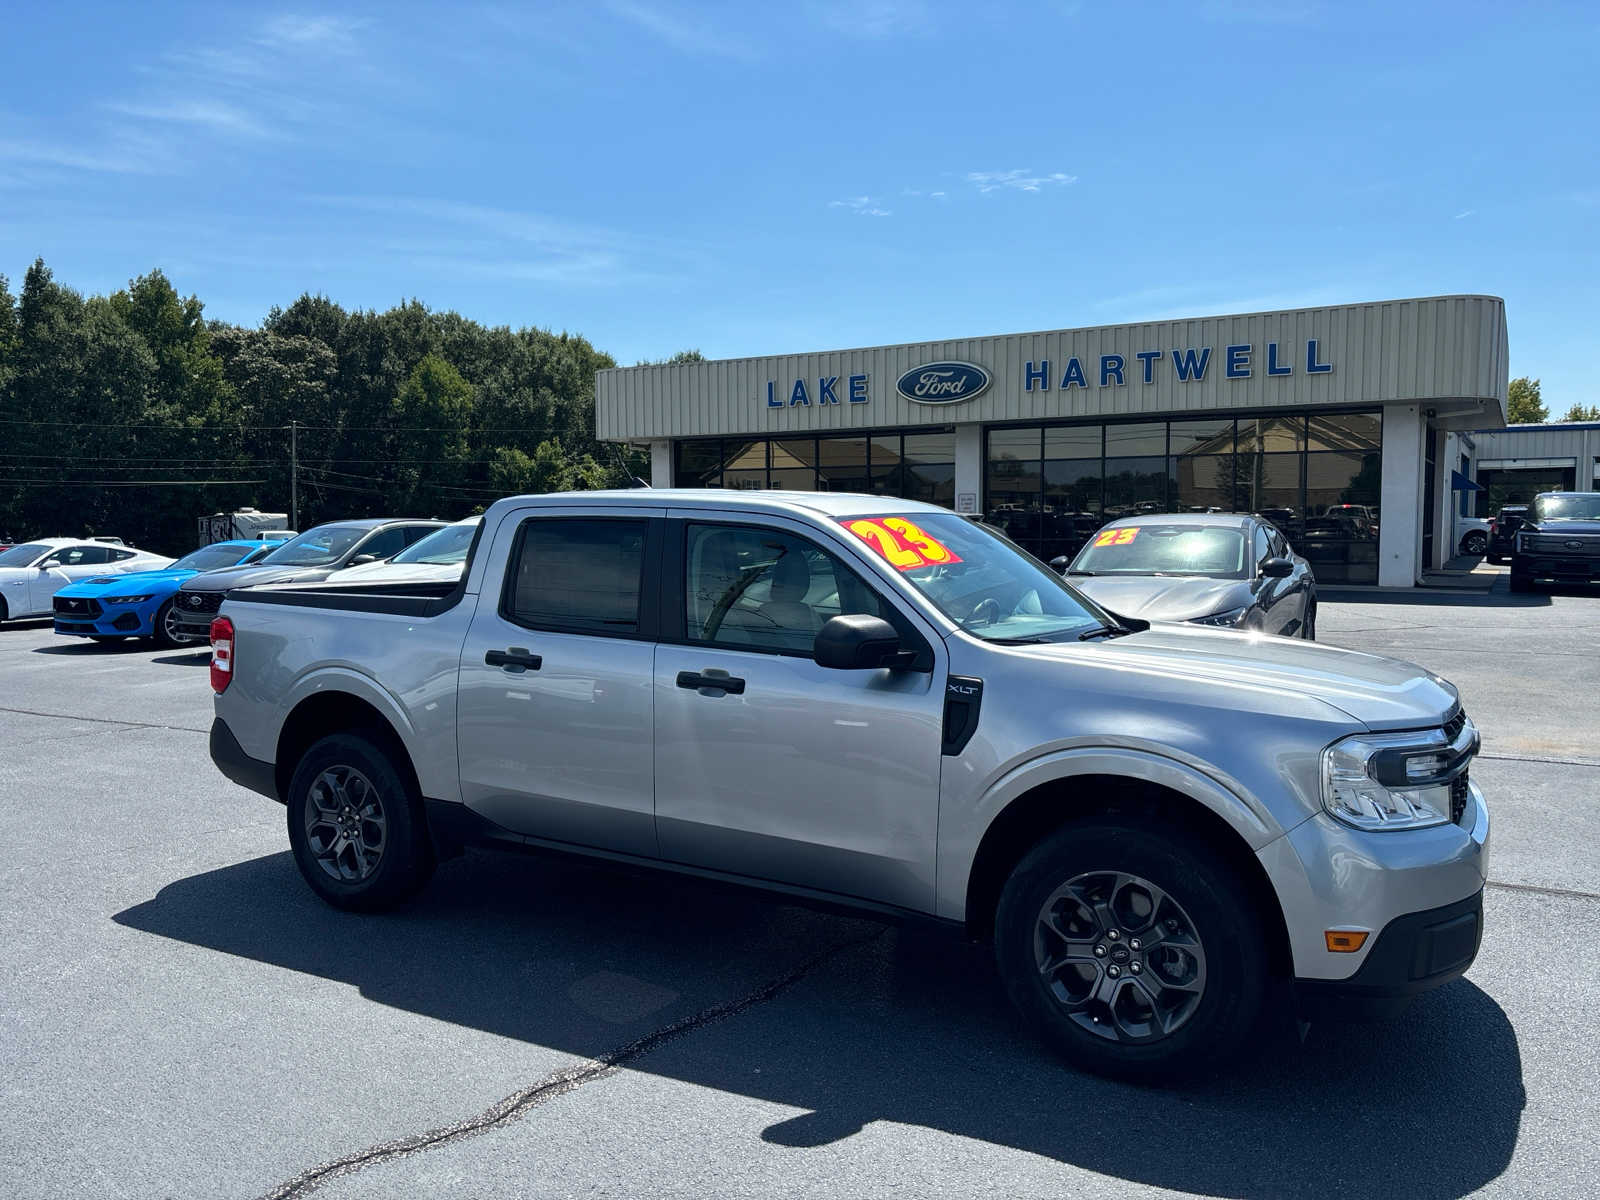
point(682, 356)
point(1523, 406)
point(1583, 412)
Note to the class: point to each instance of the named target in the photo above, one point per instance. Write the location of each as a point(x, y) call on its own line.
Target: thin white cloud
point(877, 19)
point(862, 206)
point(119, 161)
point(1020, 180)
point(484, 242)
point(1464, 213)
point(691, 36)
point(322, 33)
point(213, 114)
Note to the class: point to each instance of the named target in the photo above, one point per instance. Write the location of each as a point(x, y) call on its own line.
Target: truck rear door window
point(577, 573)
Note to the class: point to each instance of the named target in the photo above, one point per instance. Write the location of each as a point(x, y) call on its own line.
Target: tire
point(1474, 543)
point(378, 872)
point(164, 635)
point(1207, 906)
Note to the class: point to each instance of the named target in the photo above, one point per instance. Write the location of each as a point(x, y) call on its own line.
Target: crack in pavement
point(1535, 889)
point(557, 1083)
point(33, 712)
point(1534, 758)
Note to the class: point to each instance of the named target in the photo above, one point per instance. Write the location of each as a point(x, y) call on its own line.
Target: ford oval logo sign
point(943, 383)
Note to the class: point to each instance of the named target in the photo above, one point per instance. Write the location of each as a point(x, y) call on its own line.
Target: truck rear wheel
point(1131, 953)
point(356, 825)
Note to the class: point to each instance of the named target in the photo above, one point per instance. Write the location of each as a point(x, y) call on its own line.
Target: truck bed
point(397, 599)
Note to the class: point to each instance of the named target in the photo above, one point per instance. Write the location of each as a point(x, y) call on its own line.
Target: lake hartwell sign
point(958, 382)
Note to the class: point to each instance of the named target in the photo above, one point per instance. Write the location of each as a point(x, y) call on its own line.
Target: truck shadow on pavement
point(892, 1023)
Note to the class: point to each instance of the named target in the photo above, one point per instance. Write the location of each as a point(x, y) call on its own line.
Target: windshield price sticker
point(1116, 537)
point(904, 544)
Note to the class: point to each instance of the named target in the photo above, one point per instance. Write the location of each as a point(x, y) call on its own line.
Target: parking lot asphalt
point(183, 1018)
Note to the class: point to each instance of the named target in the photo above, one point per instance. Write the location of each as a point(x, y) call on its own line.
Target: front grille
point(1454, 725)
point(1458, 797)
point(127, 622)
point(79, 609)
point(199, 602)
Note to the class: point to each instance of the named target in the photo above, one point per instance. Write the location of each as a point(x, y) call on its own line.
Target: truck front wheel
point(356, 824)
point(1133, 954)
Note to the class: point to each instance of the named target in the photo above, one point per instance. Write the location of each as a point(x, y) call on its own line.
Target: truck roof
point(828, 504)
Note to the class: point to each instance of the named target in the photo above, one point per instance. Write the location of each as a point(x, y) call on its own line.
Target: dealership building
point(1333, 422)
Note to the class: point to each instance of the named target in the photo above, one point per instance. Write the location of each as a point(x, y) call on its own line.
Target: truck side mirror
point(858, 642)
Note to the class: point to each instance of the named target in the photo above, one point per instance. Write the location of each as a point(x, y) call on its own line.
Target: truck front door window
point(762, 589)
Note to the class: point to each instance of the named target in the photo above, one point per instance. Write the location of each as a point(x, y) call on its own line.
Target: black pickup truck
point(1559, 541)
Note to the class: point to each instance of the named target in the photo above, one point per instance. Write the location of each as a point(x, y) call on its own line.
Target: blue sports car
point(140, 605)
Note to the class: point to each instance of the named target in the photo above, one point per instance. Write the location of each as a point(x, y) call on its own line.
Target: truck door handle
point(514, 659)
point(695, 681)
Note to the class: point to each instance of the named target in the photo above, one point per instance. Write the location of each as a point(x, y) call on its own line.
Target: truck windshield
point(1567, 508)
point(317, 547)
point(444, 547)
point(980, 579)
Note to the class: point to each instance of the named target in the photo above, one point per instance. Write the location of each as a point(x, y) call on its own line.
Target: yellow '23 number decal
point(1116, 537)
point(903, 543)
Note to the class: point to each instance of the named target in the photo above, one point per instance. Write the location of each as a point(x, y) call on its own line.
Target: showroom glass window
point(915, 466)
point(1314, 477)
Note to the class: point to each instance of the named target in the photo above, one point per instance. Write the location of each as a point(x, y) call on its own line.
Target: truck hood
point(107, 585)
point(1163, 597)
point(1557, 528)
point(1380, 693)
point(254, 576)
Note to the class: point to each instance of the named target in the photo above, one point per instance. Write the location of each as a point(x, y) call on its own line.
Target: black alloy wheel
point(1134, 951)
point(356, 824)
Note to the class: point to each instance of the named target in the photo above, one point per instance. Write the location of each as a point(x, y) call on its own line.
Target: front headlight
point(1384, 781)
point(126, 599)
point(1227, 619)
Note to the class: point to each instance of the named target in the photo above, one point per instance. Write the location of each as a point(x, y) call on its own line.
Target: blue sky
point(754, 178)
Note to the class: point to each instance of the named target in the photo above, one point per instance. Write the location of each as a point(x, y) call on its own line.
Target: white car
point(32, 573)
point(437, 557)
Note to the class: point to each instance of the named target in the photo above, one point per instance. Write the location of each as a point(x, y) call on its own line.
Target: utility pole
point(294, 475)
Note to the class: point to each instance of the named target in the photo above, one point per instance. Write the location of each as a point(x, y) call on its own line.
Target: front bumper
point(1329, 876)
point(1557, 568)
point(1415, 953)
point(119, 620)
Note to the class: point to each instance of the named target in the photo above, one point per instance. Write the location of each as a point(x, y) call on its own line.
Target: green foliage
point(682, 356)
point(1583, 412)
point(1523, 406)
point(404, 412)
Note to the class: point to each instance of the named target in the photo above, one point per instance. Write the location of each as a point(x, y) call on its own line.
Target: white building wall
point(1400, 518)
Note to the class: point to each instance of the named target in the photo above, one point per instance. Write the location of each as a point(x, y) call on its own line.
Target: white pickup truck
point(878, 703)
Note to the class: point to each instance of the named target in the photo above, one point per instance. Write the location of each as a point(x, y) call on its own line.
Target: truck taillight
point(221, 654)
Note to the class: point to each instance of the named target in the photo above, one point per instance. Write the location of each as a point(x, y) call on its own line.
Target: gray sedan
point(1223, 569)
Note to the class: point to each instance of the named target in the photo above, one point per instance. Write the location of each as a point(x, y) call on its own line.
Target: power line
point(130, 482)
point(567, 427)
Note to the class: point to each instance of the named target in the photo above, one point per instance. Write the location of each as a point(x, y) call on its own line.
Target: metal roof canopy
point(1447, 353)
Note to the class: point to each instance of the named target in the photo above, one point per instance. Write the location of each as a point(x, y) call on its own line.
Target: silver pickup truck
point(868, 701)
